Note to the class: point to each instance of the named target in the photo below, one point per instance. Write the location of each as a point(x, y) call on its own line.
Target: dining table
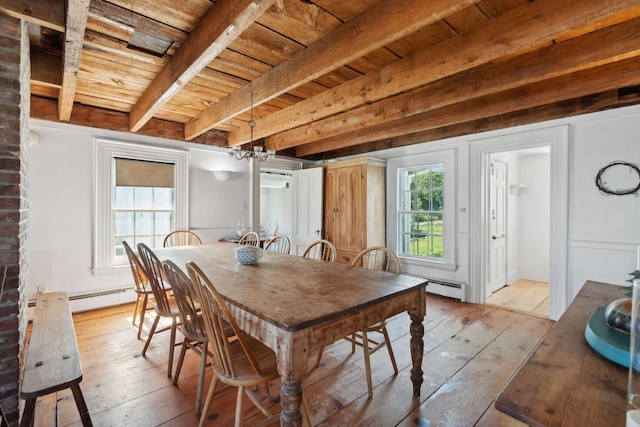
point(296, 306)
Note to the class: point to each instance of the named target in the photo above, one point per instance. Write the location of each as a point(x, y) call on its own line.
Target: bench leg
point(29, 413)
point(81, 404)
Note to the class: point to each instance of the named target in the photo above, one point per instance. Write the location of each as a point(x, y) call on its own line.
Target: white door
point(497, 270)
point(307, 208)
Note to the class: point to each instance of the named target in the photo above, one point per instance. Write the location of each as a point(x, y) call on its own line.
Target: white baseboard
point(446, 289)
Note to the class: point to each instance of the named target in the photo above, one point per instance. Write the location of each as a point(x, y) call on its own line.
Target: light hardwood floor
point(523, 296)
point(470, 353)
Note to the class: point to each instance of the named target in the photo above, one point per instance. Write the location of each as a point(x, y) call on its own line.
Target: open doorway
point(275, 204)
point(557, 138)
point(519, 227)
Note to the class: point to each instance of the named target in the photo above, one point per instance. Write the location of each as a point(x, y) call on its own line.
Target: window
point(421, 211)
point(141, 195)
point(143, 204)
point(421, 208)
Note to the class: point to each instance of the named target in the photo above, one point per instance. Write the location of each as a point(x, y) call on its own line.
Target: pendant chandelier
point(254, 152)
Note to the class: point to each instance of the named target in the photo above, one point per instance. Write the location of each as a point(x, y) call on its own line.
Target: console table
point(565, 382)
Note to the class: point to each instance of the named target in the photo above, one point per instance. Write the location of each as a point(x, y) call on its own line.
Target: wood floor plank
point(523, 296)
point(470, 353)
point(464, 398)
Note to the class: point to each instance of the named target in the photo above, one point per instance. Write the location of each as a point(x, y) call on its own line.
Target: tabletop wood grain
point(565, 382)
point(290, 291)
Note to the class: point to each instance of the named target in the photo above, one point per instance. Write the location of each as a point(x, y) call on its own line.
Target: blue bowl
point(248, 254)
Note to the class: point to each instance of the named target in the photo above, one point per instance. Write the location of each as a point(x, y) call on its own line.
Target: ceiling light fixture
point(253, 152)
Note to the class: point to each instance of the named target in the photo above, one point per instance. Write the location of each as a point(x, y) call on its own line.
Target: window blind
point(140, 173)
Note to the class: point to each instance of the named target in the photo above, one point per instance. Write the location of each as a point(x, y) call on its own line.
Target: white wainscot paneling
point(607, 262)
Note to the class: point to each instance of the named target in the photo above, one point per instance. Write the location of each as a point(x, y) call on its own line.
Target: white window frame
point(447, 158)
point(106, 151)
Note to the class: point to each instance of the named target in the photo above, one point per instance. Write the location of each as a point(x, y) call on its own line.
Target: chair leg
point(367, 363)
point(183, 351)
point(207, 401)
point(319, 356)
point(172, 344)
point(135, 310)
point(143, 311)
point(203, 366)
point(353, 343)
point(256, 401)
point(151, 332)
point(239, 407)
point(388, 344)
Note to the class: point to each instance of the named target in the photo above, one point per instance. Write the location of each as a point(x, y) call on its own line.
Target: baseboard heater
point(96, 294)
point(448, 289)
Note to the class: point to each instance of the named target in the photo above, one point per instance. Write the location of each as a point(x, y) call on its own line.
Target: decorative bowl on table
point(248, 254)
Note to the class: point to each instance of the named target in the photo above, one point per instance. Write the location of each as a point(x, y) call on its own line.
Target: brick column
point(15, 71)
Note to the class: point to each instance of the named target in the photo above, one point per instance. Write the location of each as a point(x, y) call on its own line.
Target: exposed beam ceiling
point(391, 19)
point(223, 23)
point(590, 50)
point(328, 77)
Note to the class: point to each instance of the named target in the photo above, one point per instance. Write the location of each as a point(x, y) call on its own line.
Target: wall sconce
point(34, 137)
point(222, 175)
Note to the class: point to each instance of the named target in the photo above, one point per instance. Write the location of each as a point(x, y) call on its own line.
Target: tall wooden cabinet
point(354, 206)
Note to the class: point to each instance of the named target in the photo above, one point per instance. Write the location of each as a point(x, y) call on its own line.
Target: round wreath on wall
point(602, 183)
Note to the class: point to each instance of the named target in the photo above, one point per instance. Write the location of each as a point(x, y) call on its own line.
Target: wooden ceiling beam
point(221, 25)
point(528, 27)
point(594, 80)
point(392, 20)
point(76, 23)
point(557, 110)
point(593, 49)
point(99, 118)
point(46, 13)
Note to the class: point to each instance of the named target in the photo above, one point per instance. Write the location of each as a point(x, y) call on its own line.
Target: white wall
point(603, 229)
point(534, 205)
point(61, 209)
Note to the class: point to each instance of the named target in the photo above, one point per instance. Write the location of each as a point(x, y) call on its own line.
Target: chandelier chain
point(253, 152)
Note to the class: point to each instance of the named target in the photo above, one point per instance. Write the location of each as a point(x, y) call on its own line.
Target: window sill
point(419, 262)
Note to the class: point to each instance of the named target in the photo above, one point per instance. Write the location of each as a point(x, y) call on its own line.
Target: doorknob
point(317, 232)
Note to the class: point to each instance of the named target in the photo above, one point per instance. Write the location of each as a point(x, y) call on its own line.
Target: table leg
point(291, 400)
point(417, 348)
point(292, 366)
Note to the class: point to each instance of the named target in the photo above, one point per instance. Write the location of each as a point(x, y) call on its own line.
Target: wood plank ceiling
point(328, 77)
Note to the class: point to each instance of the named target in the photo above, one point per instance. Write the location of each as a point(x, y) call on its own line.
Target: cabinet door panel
point(350, 213)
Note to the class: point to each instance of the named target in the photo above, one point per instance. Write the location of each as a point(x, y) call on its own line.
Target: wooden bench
point(53, 360)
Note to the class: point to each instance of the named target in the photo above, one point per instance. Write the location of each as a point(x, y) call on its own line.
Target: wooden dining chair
point(251, 238)
point(381, 259)
point(280, 244)
point(181, 238)
point(193, 329)
point(142, 287)
point(322, 250)
point(165, 305)
point(244, 362)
